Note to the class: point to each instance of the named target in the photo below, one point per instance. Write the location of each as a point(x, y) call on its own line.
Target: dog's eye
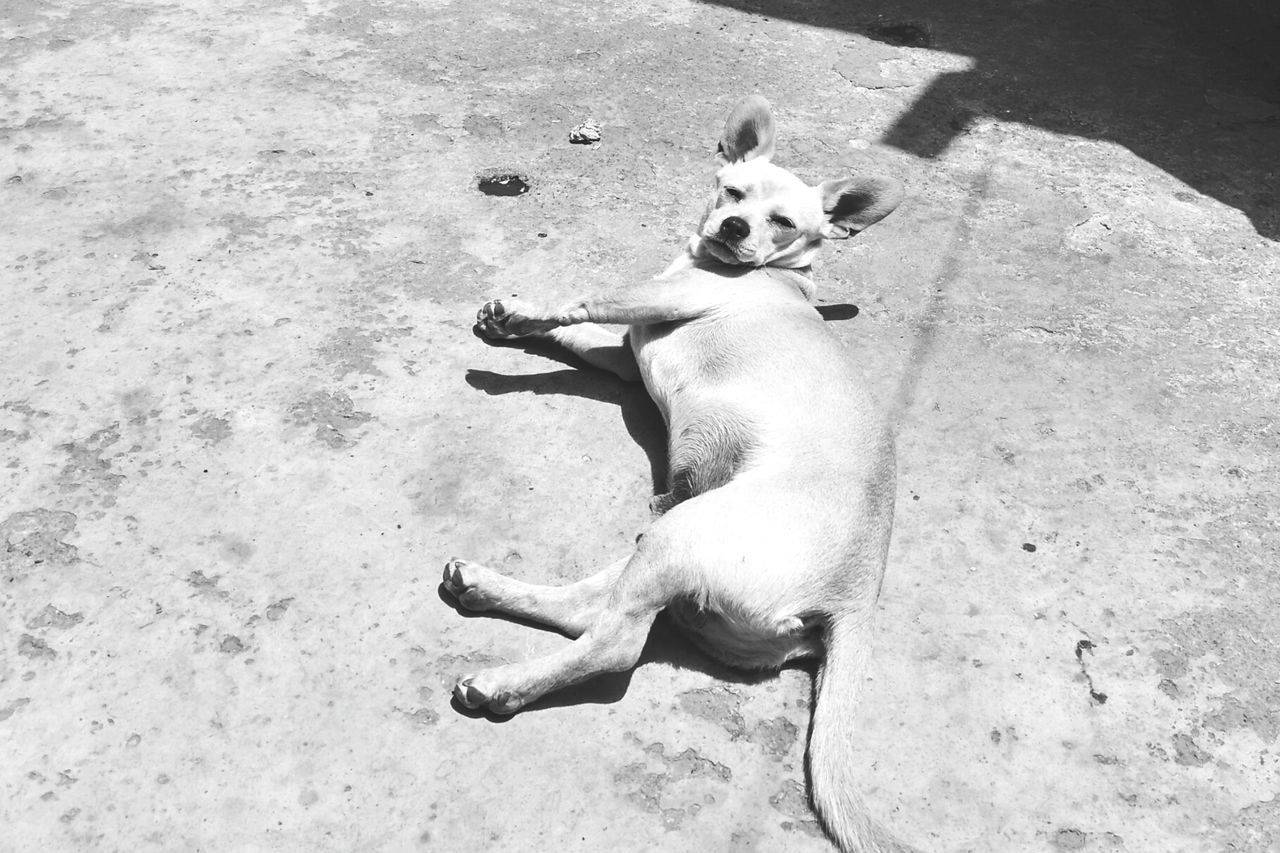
point(734, 193)
point(784, 223)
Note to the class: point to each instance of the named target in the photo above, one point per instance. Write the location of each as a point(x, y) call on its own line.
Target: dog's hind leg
point(568, 609)
point(594, 344)
point(611, 640)
point(612, 643)
point(600, 348)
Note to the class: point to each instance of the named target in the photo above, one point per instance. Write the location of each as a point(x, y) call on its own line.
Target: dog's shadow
point(643, 422)
point(640, 416)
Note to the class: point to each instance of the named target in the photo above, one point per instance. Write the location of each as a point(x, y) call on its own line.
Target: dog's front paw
point(504, 319)
point(481, 691)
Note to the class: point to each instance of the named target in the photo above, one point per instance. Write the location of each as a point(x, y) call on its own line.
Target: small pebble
point(585, 134)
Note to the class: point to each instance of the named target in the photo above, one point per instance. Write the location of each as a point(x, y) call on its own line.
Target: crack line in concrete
point(1087, 646)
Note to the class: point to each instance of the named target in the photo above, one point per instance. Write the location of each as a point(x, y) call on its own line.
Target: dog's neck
point(797, 271)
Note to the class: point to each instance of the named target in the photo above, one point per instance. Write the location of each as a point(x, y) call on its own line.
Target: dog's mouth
point(726, 252)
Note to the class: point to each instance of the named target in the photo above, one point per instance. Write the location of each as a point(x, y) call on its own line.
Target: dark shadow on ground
point(841, 311)
point(640, 416)
point(1191, 86)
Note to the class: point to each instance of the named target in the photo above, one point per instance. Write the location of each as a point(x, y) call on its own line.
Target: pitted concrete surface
point(244, 420)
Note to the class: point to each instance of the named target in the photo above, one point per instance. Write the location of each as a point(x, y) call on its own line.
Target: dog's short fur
point(770, 543)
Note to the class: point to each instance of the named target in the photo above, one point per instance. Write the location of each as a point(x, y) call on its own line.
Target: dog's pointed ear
point(851, 204)
point(749, 132)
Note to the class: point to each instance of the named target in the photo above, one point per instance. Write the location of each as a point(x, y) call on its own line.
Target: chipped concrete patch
point(52, 617)
point(350, 350)
point(792, 802)
point(211, 429)
point(1092, 237)
point(13, 707)
point(719, 705)
point(231, 645)
point(277, 609)
point(86, 469)
point(33, 542)
point(678, 789)
point(1075, 839)
point(334, 416)
point(1187, 752)
point(1257, 827)
point(865, 63)
point(777, 737)
point(35, 648)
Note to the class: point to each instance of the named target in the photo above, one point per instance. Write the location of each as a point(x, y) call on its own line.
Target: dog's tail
point(831, 742)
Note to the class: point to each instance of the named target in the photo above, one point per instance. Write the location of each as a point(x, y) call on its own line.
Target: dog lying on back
point(771, 541)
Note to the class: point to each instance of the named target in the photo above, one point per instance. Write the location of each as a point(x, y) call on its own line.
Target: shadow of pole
point(925, 327)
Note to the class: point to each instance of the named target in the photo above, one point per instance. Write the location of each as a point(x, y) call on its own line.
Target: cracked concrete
point(244, 420)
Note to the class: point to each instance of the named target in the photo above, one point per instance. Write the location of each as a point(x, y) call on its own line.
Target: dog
point(771, 540)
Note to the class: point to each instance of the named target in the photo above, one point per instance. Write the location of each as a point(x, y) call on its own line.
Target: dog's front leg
point(508, 319)
point(655, 301)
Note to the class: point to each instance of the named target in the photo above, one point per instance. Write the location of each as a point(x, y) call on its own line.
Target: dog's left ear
point(852, 204)
point(749, 132)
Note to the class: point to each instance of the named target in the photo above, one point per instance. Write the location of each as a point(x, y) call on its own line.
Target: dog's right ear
point(748, 133)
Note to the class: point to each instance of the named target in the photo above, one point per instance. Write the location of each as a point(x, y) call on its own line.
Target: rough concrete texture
point(244, 420)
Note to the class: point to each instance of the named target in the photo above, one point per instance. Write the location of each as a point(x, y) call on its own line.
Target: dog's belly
point(744, 642)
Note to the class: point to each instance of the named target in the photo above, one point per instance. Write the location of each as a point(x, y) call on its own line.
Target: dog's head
point(762, 215)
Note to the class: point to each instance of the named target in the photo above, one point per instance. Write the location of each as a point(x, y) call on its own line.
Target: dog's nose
point(734, 227)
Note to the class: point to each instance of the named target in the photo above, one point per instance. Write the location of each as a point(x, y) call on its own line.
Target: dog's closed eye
point(783, 222)
point(734, 193)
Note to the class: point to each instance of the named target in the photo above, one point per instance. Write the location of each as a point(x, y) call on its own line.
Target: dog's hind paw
point(476, 696)
point(461, 579)
point(659, 504)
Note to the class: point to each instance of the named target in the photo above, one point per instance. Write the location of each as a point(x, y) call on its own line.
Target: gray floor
point(244, 420)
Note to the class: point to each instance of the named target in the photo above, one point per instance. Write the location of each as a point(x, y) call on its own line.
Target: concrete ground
point(244, 420)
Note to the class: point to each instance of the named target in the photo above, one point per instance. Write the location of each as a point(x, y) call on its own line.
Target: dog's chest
point(677, 360)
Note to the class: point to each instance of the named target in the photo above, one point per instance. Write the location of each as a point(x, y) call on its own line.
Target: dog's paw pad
point(492, 319)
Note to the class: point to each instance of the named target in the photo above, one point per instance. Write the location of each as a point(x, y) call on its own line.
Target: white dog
point(770, 543)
